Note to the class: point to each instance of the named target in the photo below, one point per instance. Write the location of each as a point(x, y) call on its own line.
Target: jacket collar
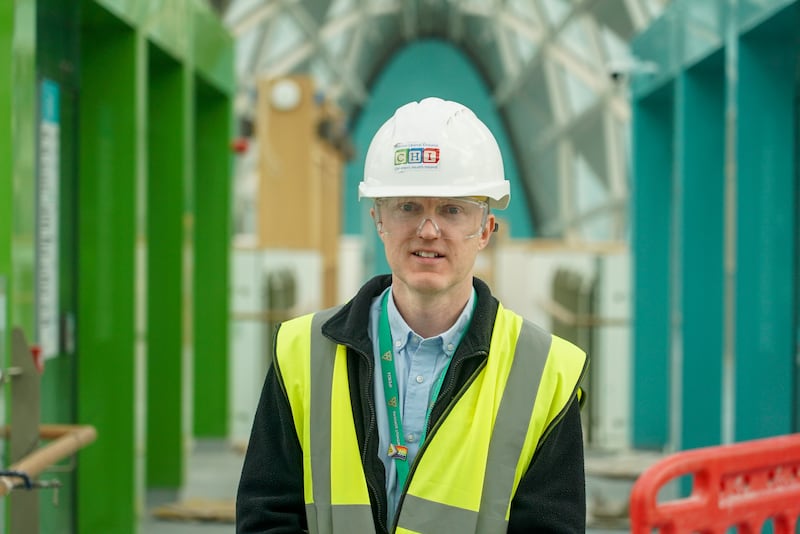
point(349, 325)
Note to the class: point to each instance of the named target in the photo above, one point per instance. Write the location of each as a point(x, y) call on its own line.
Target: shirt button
point(410, 438)
point(398, 343)
point(420, 379)
point(449, 346)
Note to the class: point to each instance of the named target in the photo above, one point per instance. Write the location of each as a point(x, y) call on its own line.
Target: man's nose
point(428, 231)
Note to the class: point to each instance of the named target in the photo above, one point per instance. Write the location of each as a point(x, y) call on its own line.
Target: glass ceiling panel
point(590, 189)
point(245, 49)
point(321, 72)
point(594, 33)
point(535, 113)
point(238, 8)
point(575, 37)
point(579, 96)
point(655, 7)
point(614, 48)
point(590, 143)
point(547, 194)
point(489, 55)
point(340, 7)
point(337, 44)
point(525, 10)
point(284, 36)
point(380, 4)
point(555, 10)
point(524, 47)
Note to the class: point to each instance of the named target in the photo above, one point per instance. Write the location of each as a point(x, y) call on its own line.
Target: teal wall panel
point(766, 229)
point(700, 158)
point(735, 297)
point(652, 190)
point(797, 260)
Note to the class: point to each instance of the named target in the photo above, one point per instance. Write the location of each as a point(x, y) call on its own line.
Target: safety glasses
point(451, 218)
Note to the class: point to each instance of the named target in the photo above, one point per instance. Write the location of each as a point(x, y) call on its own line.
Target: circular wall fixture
point(285, 94)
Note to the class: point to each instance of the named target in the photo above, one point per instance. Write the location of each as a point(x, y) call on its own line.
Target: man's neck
point(430, 314)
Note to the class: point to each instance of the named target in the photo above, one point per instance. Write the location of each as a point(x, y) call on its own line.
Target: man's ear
point(488, 230)
point(374, 215)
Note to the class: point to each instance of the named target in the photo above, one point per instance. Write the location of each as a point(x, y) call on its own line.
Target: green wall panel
point(6, 200)
point(166, 166)
point(24, 128)
point(170, 26)
point(57, 54)
point(131, 12)
point(766, 229)
point(6, 151)
point(212, 230)
point(17, 186)
point(96, 52)
point(213, 49)
point(111, 115)
point(700, 160)
point(652, 189)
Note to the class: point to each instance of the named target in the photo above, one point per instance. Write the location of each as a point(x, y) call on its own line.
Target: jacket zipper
point(435, 427)
point(367, 388)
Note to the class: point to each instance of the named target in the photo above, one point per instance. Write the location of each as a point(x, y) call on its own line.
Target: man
point(421, 405)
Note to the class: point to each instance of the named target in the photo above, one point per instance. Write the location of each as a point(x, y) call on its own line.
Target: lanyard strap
point(397, 447)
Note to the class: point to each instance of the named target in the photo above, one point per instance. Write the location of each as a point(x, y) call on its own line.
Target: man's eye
point(407, 207)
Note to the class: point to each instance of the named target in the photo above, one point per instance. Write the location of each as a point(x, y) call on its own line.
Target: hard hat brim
point(498, 196)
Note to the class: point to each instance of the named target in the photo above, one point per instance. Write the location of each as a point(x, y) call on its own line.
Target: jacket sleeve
point(270, 494)
point(551, 497)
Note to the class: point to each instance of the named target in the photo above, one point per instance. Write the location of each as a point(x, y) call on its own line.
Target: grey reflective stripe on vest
point(505, 446)
point(429, 516)
point(322, 517)
point(519, 396)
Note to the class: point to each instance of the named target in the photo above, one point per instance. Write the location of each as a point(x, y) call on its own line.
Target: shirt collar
point(402, 333)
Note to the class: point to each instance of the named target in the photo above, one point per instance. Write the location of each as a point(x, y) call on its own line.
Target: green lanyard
point(397, 448)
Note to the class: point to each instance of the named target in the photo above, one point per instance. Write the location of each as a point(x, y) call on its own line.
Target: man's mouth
point(425, 254)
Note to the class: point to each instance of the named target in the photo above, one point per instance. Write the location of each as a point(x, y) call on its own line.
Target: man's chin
point(427, 283)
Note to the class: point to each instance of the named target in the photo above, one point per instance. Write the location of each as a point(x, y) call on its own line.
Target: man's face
point(431, 243)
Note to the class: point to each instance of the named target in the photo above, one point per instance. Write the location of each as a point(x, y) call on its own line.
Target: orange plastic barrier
point(742, 485)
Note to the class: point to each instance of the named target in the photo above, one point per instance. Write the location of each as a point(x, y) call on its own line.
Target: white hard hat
point(434, 148)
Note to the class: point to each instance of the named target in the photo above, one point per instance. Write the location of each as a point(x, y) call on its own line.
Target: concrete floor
point(213, 473)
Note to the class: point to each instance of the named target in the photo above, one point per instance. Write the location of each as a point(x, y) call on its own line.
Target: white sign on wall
point(47, 227)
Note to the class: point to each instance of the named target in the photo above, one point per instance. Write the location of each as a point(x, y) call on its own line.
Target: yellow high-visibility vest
point(467, 472)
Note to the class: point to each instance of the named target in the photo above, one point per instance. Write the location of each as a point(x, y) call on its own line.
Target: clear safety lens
point(451, 218)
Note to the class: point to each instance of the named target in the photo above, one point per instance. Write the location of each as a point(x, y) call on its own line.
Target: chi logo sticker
point(416, 156)
point(430, 155)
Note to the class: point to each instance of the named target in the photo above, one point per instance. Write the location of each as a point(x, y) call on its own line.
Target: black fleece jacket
point(551, 496)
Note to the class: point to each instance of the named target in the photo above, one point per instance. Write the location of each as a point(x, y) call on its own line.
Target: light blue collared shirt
point(418, 364)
